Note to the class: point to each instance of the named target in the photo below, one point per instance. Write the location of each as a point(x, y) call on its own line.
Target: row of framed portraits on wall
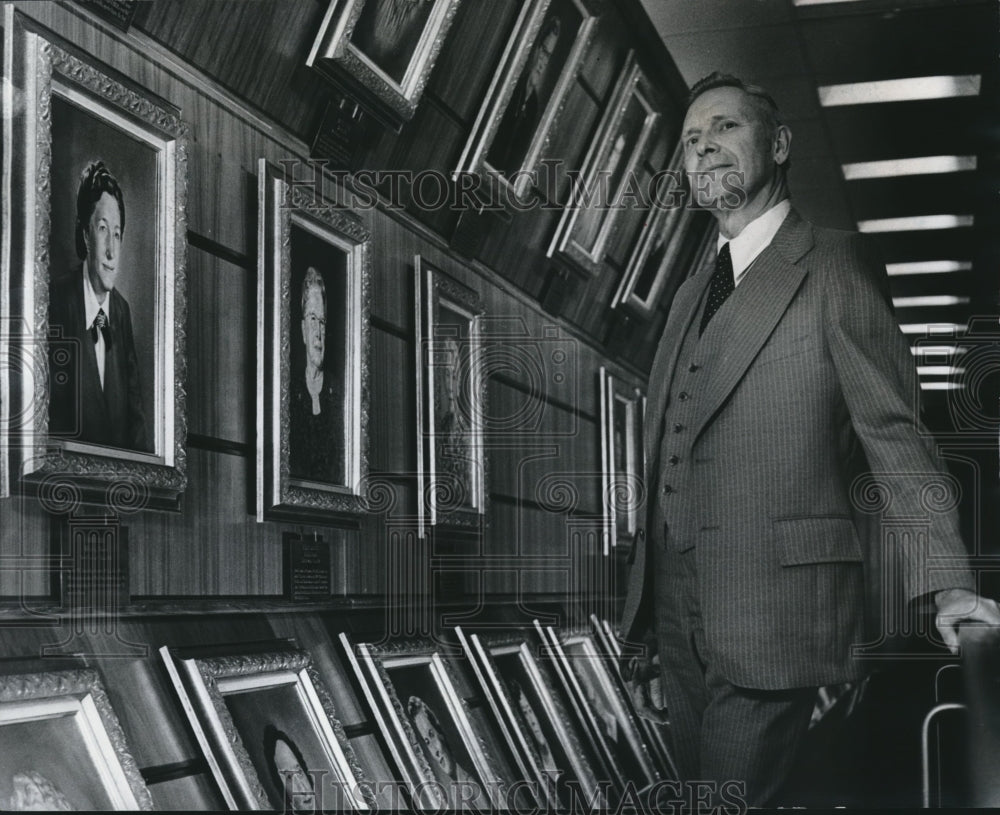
point(485, 722)
point(313, 369)
point(100, 410)
point(103, 411)
point(382, 53)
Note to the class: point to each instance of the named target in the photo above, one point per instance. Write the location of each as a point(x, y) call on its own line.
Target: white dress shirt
point(91, 306)
point(755, 238)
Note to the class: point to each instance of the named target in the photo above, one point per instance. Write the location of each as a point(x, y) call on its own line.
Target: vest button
point(667, 489)
point(693, 367)
point(684, 396)
point(673, 461)
point(678, 428)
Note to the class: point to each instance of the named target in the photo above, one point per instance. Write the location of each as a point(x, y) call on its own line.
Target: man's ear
point(781, 144)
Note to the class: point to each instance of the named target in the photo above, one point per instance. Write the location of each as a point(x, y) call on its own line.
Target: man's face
point(314, 328)
point(298, 783)
point(727, 146)
point(103, 237)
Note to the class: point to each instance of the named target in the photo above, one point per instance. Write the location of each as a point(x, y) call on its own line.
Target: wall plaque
point(340, 134)
point(306, 572)
point(117, 12)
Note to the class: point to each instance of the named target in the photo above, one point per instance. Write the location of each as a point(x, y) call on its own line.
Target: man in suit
point(781, 382)
point(95, 393)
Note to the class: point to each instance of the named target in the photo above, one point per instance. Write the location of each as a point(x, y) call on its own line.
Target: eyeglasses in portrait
point(312, 352)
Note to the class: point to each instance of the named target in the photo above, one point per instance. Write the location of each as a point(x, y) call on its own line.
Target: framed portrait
point(623, 138)
point(97, 176)
point(660, 258)
point(543, 720)
point(268, 730)
point(524, 102)
point(62, 747)
point(382, 52)
point(313, 272)
point(451, 462)
point(622, 463)
point(655, 734)
point(448, 756)
point(587, 674)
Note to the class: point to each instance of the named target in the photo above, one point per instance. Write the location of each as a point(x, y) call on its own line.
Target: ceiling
point(793, 49)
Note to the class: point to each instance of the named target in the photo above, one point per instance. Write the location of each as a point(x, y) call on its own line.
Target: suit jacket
point(808, 384)
point(78, 407)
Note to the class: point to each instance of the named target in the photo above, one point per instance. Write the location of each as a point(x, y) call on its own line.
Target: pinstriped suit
point(801, 382)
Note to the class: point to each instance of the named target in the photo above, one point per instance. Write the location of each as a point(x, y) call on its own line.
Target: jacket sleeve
point(878, 377)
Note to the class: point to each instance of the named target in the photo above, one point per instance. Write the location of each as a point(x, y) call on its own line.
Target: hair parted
point(764, 101)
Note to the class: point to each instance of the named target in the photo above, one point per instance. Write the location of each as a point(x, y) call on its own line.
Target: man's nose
point(110, 248)
point(705, 145)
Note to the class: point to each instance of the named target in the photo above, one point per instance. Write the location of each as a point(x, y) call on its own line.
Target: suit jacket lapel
point(682, 312)
point(765, 295)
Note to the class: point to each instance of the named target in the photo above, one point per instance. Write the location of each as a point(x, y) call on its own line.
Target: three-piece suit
point(762, 545)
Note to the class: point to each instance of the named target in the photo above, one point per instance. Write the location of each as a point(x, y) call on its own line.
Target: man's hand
point(648, 700)
point(959, 605)
point(644, 690)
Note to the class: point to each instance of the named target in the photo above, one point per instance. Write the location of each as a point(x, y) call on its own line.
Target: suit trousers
point(743, 738)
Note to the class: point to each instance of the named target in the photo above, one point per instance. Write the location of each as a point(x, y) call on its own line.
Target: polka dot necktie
point(720, 287)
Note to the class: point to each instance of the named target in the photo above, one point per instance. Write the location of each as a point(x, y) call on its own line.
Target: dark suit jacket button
point(673, 461)
point(684, 396)
point(667, 489)
point(693, 367)
point(678, 428)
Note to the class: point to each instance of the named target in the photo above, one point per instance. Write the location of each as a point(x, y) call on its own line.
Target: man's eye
point(728, 125)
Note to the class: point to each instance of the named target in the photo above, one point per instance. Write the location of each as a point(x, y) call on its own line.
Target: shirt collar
point(755, 237)
point(90, 304)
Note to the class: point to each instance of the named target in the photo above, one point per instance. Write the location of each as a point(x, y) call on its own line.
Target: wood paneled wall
point(236, 71)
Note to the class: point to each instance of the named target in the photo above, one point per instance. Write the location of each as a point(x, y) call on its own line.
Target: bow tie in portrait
point(101, 324)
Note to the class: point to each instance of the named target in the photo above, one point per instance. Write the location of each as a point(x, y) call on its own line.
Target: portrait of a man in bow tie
point(95, 378)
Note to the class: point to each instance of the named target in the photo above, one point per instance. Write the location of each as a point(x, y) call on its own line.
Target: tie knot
point(724, 260)
point(101, 327)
